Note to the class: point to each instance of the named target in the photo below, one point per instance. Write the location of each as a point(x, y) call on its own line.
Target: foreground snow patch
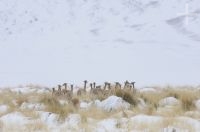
point(14, 118)
point(141, 104)
point(3, 108)
point(146, 119)
point(195, 124)
point(193, 114)
point(169, 101)
point(113, 103)
point(73, 120)
point(71, 124)
point(107, 125)
point(197, 104)
point(48, 118)
point(85, 105)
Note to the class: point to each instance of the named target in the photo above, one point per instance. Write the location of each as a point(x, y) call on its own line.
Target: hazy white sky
point(50, 42)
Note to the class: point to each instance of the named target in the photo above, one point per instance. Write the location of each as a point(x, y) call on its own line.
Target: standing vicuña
point(82, 91)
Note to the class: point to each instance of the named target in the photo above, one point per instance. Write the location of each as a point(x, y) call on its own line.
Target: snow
point(32, 106)
point(145, 41)
point(174, 129)
point(107, 125)
point(113, 103)
point(147, 90)
point(3, 108)
point(146, 119)
point(43, 90)
point(85, 105)
point(63, 102)
point(195, 124)
point(97, 103)
point(197, 104)
point(73, 120)
point(23, 90)
point(193, 114)
point(48, 118)
point(14, 118)
point(169, 101)
point(141, 104)
point(124, 114)
point(112, 124)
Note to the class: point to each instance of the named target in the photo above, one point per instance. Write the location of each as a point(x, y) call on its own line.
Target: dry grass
point(36, 126)
point(171, 111)
point(94, 113)
point(162, 125)
point(146, 127)
point(127, 96)
point(186, 95)
point(53, 105)
point(30, 113)
point(182, 125)
point(152, 98)
point(75, 102)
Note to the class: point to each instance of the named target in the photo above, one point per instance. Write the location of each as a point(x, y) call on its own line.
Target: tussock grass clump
point(21, 99)
point(75, 102)
point(187, 96)
point(6, 97)
point(152, 98)
point(127, 96)
point(53, 105)
point(36, 126)
point(50, 100)
point(94, 113)
point(29, 113)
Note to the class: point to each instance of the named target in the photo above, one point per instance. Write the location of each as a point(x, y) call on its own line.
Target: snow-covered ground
point(50, 41)
point(111, 114)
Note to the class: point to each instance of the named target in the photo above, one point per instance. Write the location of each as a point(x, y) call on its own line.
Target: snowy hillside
point(53, 41)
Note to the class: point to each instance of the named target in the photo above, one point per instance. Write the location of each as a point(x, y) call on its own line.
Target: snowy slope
point(53, 41)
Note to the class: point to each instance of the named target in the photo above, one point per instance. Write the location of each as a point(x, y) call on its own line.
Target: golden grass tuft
point(36, 126)
point(30, 113)
point(75, 102)
point(186, 95)
point(21, 99)
point(152, 98)
point(53, 105)
point(94, 113)
point(127, 96)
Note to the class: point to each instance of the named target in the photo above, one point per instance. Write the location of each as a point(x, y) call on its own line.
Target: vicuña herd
point(95, 90)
